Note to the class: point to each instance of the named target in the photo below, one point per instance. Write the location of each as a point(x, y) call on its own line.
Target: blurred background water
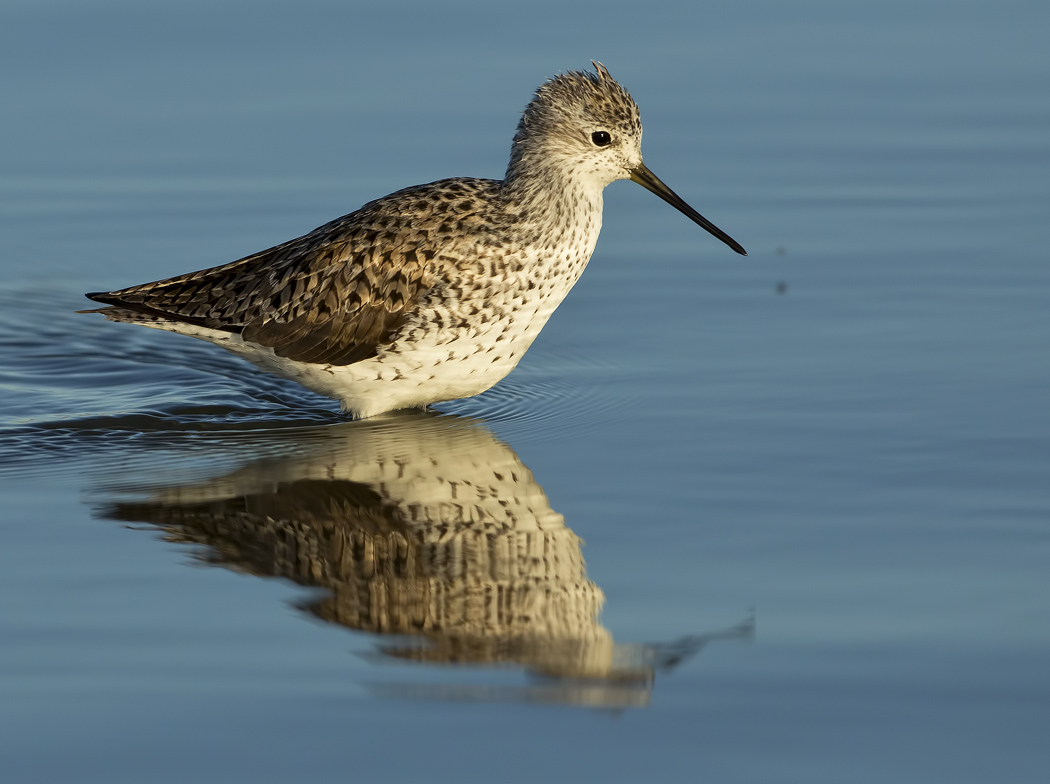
point(783, 518)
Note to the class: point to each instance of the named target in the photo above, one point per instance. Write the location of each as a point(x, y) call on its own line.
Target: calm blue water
point(783, 518)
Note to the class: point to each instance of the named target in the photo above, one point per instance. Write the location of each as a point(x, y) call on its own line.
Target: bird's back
point(331, 296)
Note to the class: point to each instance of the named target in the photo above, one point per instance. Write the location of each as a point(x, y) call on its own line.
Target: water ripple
point(71, 384)
point(542, 401)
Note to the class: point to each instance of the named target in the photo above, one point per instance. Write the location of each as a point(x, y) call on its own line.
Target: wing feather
point(332, 296)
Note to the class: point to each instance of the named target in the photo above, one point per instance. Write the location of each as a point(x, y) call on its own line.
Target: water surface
point(782, 518)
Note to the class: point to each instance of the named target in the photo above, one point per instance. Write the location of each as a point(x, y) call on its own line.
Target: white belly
point(429, 368)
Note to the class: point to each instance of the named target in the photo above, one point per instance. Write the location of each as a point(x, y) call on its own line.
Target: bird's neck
point(545, 191)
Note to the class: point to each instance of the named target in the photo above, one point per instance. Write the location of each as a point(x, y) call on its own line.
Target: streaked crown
point(579, 118)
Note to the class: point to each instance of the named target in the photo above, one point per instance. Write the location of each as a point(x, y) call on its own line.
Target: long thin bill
point(651, 182)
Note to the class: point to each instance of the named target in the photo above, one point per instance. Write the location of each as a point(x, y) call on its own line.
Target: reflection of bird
point(433, 292)
point(416, 525)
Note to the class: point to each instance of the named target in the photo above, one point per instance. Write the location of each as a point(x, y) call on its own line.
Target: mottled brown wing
point(332, 296)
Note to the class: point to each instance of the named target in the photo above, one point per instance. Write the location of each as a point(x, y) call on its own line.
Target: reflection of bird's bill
point(651, 182)
point(627, 684)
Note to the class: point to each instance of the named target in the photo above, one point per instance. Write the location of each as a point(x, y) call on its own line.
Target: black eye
point(601, 138)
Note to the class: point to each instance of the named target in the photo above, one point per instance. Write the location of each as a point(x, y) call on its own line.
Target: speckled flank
point(433, 292)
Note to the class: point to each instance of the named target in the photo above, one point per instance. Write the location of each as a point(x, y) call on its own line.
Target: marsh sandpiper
point(434, 292)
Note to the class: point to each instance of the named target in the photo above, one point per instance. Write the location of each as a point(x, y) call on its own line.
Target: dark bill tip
point(651, 182)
